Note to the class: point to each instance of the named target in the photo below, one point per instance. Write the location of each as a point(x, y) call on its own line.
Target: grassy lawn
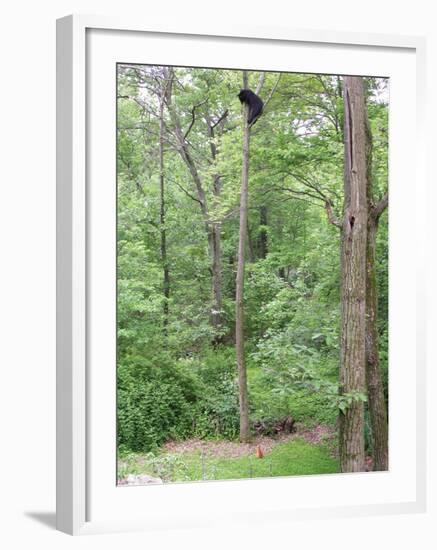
point(296, 457)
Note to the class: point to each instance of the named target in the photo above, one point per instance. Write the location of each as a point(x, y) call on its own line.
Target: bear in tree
point(254, 103)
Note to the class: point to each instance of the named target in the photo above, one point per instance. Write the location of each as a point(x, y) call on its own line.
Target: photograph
point(252, 274)
point(218, 290)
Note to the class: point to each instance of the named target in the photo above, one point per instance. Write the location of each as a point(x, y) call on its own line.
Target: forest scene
point(252, 274)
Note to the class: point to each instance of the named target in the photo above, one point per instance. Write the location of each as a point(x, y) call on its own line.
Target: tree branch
point(380, 206)
point(186, 157)
point(186, 192)
point(224, 115)
point(297, 192)
point(193, 120)
point(330, 213)
point(315, 187)
point(272, 91)
point(260, 84)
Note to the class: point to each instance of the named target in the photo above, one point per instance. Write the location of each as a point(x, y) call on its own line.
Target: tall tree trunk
point(375, 387)
point(239, 307)
point(165, 267)
point(216, 286)
point(354, 243)
point(262, 238)
point(215, 248)
point(250, 244)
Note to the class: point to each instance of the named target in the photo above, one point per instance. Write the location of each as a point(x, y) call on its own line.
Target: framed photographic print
point(240, 329)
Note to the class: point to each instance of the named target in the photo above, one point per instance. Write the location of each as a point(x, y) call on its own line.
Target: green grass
point(297, 457)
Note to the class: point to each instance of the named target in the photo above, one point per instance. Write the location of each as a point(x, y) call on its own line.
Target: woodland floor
point(235, 449)
point(303, 452)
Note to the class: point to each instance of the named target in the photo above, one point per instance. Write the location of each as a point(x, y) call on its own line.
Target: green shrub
point(155, 400)
point(217, 409)
point(162, 398)
point(312, 408)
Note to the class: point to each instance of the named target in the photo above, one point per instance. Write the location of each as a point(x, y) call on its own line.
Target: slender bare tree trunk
point(354, 243)
point(216, 306)
point(239, 306)
point(262, 239)
point(215, 247)
point(165, 266)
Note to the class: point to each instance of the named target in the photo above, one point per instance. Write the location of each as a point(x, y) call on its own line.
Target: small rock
point(141, 480)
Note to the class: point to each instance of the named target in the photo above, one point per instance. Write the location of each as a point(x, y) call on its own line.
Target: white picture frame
point(78, 490)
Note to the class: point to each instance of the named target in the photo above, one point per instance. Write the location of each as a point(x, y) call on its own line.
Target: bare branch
point(305, 181)
point(186, 157)
point(272, 91)
point(186, 192)
point(380, 206)
point(224, 115)
point(297, 192)
point(193, 115)
point(260, 84)
point(303, 199)
point(330, 213)
point(315, 192)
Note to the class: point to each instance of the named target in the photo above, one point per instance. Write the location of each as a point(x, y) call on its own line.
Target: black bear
point(254, 103)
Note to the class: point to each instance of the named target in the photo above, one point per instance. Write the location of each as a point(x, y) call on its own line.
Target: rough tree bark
point(354, 243)
point(239, 301)
point(375, 386)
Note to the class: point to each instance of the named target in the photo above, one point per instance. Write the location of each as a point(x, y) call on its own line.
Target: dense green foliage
point(174, 381)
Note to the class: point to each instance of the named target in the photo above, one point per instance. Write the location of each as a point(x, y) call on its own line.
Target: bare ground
point(235, 449)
